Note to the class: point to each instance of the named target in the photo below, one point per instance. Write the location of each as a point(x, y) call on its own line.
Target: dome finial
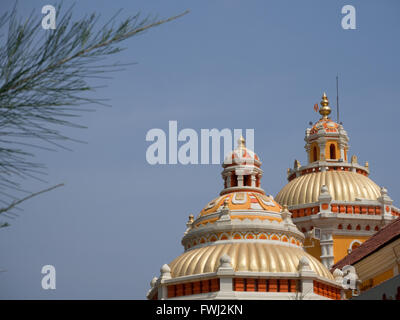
point(241, 142)
point(325, 110)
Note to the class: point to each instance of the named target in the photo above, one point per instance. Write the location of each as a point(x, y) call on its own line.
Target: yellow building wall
point(314, 248)
point(382, 277)
point(314, 144)
point(327, 150)
point(341, 244)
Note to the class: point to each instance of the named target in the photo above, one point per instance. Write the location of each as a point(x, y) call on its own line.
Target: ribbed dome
point(246, 256)
point(342, 185)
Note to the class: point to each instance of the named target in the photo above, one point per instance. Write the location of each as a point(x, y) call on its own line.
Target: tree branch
point(99, 45)
point(17, 202)
point(44, 81)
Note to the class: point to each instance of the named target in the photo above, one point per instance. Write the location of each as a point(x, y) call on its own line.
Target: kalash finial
point(326, 109)
point(241, 142)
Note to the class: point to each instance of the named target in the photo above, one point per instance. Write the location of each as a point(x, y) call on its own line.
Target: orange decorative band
point(339, 208)
point(195, 287)
point(298, 213)
point(265, 285)
point(326, 290)
point(370, 210)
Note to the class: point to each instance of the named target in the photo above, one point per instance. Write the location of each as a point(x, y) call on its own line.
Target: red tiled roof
point(383, 236)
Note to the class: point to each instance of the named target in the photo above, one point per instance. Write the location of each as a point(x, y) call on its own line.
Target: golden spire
point(325, 110)
point(241, 142)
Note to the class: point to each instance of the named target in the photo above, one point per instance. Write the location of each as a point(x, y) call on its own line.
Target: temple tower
point(244, 245)
point(332, 195)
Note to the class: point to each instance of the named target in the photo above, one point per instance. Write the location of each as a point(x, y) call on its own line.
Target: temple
point(303, 244)
point(334, 195)
point(244, 245)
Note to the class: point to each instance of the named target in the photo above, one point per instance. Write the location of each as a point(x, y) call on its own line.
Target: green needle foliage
point(44, 83)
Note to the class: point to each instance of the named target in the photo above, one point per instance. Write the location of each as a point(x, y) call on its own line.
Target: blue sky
point(228, 64)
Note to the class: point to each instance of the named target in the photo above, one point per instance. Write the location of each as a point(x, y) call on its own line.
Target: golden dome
point(342, 185)
point(245, 256)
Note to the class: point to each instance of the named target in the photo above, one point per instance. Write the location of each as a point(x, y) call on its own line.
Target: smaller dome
point(241, 155)
point(325, 126)
point(242, 201)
